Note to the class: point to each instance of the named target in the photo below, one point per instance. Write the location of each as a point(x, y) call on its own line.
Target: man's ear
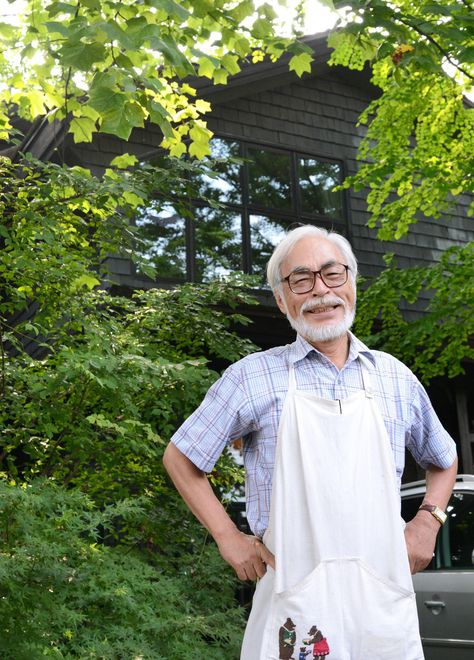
point(280, 301)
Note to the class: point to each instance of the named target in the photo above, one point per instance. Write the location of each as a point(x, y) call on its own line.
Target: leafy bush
point(65, 593)
point(99, 557)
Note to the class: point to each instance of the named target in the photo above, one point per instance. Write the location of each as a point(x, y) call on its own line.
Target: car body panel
point(445, 590)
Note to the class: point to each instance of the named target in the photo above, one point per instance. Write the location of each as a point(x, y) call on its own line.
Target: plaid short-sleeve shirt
point(246, 402)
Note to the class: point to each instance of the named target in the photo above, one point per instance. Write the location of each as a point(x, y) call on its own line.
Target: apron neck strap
point(291, 378)
point(366, 368)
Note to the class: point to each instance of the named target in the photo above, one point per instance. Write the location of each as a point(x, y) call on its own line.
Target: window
point(261, 193)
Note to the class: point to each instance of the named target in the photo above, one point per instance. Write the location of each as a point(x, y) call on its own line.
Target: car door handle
point(434, 604)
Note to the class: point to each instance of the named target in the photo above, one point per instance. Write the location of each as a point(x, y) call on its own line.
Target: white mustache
point(325, 301)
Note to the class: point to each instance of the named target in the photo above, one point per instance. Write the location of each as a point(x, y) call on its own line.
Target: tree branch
point(408, 23)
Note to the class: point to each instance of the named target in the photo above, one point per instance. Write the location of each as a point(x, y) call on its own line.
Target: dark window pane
point(316, 180)
point(459, 547)
point(222, 184)
point(269, 179)
point(163, 232)
point(265, 234)
point(218, 237)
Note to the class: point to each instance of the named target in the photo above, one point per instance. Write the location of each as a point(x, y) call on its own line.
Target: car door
point(445, 590)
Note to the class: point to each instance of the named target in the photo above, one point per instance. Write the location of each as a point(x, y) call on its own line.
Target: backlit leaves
point(128, 56)
point(419, 144)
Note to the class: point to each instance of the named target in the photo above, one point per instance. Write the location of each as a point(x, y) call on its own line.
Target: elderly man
point(325, 423)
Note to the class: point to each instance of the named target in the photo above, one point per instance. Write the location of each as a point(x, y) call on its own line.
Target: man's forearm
point(439, 485)
point(195, 489)
point(244, 553)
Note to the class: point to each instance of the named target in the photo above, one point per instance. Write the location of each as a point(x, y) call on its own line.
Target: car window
point(455, 543)
point(457, 548)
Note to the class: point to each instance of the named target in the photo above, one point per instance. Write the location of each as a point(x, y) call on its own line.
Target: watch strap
point(435, 511)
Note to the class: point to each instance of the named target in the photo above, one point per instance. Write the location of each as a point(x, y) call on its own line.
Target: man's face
point(324, 313)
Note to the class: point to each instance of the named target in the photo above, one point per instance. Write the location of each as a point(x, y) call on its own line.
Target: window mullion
point(246, 237)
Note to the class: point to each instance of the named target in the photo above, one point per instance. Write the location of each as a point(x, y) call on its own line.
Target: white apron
point(342, 586)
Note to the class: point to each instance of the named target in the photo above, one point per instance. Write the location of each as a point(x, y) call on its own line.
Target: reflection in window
point(225, 186)
point(238, 212)
point(218, 239)
point(163, 233)
point(316, 180)
point(269, 179)
point(265, 234)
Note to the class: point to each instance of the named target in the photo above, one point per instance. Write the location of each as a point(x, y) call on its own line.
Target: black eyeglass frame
point(315, 273)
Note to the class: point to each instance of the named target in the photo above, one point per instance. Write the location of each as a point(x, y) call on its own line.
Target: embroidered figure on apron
point(320, 645)
point(337, 537)
point(286, 640)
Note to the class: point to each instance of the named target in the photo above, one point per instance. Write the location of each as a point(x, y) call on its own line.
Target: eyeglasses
point(303, 280)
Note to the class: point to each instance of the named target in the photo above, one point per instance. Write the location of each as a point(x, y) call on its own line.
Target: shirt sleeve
point(429, 442)
point(223, 416)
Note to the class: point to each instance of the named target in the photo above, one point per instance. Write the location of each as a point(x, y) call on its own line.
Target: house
point(297, 138)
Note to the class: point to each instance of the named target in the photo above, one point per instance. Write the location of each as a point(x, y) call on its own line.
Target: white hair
point(283, 249)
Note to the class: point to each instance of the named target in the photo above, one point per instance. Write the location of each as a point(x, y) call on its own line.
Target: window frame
point(246, 208)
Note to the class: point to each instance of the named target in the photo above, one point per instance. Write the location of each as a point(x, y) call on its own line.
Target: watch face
point(439, 514)
point(436, 512)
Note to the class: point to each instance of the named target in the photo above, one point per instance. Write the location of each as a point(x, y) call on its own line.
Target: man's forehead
point(313, 252)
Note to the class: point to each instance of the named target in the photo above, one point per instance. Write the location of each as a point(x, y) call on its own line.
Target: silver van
point(445, 589)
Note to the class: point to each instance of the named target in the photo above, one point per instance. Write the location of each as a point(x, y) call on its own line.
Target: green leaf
point(128, 39)
point(92, 4)
point(230, 62)
point(82, 129)
point(244, 9)
point(301, 64)
point(171, 8)
point(103, 99)
point(124, 161)
point(202, 8)
point(261, 28)
point(206, 67)
point(220, 77)
point(81, 56)
point(467, 54)
point(87, 281)
point(122, 118)
point(199, 149)
point(159, 116)
point(61, 8)
point(36, 102)
point(172, 54)
point(6, 30)
point(57, 27)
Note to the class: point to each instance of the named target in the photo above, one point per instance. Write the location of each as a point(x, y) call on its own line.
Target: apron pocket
point(359, 614)
point(389, 620)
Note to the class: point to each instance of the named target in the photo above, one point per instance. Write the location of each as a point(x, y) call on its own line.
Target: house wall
point(316, 115)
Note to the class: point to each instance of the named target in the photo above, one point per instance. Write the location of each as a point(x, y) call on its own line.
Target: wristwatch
point(435, 511)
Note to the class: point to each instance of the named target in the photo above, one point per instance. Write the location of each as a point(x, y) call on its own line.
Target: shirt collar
point(301, 349)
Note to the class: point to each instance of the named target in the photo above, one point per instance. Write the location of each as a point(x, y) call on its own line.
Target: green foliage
point(125, 571)
point(436, 343)
point(112, 66)
point(416, 159)
point(99, 407)
point(417, 155)
point(68, 592)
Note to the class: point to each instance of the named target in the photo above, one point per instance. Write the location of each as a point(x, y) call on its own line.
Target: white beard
point(322, 332)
